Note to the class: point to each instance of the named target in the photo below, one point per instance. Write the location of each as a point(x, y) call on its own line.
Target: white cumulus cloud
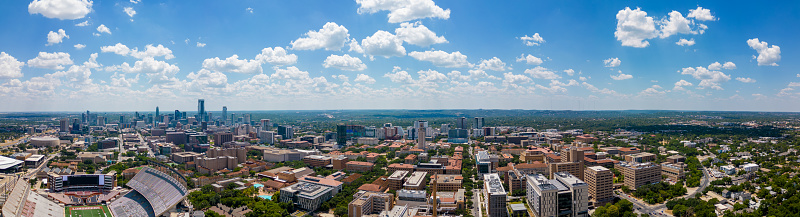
point(621, 76)
point(634, 27)
point(201, 44)
point(542, 73)
point(56, 37)
point(746, 80)
point(61, 9)
point(9, 66)
point(708, 78)
point(365, 79)
point(330, 37)
point(79, 46)
point(84, 23)
point(418, 34)
point(403, 10)
point(232, 64)
point(675, 24)
point(653, 90)
point(612, 62)
point(149, 51)
point(103, 29)
point(56, 60)
point(729, 65)
point(399, 76)
point(684, 42)
point(530, 59)
point(129, 11)
point(384, 44)
point(276, 56)
point(442, 59)
point(702, 14)
point(494, 64)
point(345, 62)
point(767, 56)
point(681, 84)
point(535, 39)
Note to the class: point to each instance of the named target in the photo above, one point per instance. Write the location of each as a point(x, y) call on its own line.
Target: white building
point(495, 195)
point(547, 197)
point(751, 167)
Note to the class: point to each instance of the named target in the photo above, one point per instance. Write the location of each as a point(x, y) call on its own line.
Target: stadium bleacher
point(153, 192)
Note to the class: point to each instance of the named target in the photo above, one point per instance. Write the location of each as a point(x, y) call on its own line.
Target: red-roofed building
point(406, 167)
point(411, 159)
point(370, 187)
point(358, 166)
point(372, 157)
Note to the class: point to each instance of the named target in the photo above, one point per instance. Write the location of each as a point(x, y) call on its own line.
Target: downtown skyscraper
point(201, 110)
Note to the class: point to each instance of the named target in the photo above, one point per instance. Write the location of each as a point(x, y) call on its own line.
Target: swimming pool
point(268, 197)
point(258, 185)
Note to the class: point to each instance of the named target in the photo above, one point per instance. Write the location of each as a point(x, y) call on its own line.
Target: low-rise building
point(416, 181)
point(640, 157)
point(673, 171)
point(366, 203)
point(638, 174)
point(676, 159)
point(397, 179)
point(448, 182)
point(305, 195)
point(358, 166)
point(317, 160)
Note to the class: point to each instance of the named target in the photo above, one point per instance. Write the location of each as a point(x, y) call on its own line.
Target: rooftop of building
point(541, 181)
point(416, 178)
point(493, 184)
point(569, 179)
point(399, 174)
point(635, 165)
point(642, 154)
point(360, 163)
point(598, 168)
point(318, 157)
point(449, 179)
point(324, 181)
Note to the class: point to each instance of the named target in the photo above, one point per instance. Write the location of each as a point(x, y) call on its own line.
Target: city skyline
point(421, 54)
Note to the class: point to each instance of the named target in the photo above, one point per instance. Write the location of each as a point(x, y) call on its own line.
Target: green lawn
point(103, 212)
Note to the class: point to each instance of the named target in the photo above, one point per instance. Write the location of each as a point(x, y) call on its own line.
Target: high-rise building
point(224, 115)
point(421, 138)
point(461, 123)
point(157, 112)
point(64, 126)
point(478, 123)
point(565, 195)
point(495, 195)
point(286, 132)
point(346, 133)
point(266, 124)
point(246, 118)
point(600, 181)
point(571, 162)
point(201, 110)
point(178, 115)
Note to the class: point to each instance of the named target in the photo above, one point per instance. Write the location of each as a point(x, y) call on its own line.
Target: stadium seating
point(153, 192)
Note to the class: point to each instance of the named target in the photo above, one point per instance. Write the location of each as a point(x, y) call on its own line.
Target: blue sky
point(71, 55)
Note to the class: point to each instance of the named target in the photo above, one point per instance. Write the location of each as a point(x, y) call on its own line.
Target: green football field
point(87, 211)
